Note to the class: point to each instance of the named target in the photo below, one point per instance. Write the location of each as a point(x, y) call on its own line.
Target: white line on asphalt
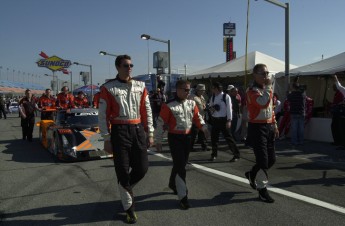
point(288, 151)
point(303, 198)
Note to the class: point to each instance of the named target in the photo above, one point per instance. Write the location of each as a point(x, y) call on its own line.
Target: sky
point(77, 30)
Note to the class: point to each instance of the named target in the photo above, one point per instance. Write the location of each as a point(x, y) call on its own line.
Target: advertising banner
point(54, 63)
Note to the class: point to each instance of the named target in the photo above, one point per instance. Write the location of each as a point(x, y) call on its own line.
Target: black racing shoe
point(251, 180)
point(234, 159)
point(173, 187)
point(131, 217)
point(264, 196)
point(184, 204)
point(213, 158)
point(205, 148)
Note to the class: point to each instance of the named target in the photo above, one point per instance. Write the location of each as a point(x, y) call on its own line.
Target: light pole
point(90, 66)
point(70, 72)
point(57, 82)
point(287, 39)
point(103, 53)
point(185, 71)
point(148, 56)
point(147, 37)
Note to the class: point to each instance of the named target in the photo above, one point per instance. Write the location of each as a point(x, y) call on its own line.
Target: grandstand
point(12, 87)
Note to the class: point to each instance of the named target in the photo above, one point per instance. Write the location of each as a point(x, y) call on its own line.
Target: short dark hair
point(120, 58)
point(64, 88)
point(48, 89)
point(217, 85)
point(258, 66)
point(181, 83)
point(296, 85)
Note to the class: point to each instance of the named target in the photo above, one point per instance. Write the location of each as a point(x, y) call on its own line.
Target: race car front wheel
point(54, 144)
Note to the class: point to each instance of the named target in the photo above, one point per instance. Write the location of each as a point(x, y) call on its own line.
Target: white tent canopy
point(236, 68)
point(316, 77)
point(327, 66)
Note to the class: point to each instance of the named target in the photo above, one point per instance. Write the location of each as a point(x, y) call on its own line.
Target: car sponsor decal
point(85, 113)
point(65, 131)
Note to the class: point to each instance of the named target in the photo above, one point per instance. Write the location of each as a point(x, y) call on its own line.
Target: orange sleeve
point(143, 111)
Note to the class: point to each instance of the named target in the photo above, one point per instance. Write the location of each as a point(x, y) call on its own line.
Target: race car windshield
point(80, 119)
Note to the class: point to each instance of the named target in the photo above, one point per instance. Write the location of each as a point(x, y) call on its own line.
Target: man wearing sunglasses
point(125, 121)
point(262, 130)
point(178, 116)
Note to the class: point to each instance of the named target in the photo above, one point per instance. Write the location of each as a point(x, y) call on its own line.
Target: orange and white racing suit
point(126, 107)
point(46, 104)
point(65, 101)
point(81, 102)
point(261, 132)
point(95, 101)
point(177, 117)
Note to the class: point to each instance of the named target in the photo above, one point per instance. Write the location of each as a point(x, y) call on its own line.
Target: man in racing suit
point(262, 130)
point(65, 99)
point(47, 103)
point(178, 116)
point(124, 104)
point(95, 101)
point(81, 101)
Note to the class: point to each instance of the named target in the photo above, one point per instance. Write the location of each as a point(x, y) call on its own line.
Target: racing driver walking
point(125, 121)
point(178, 116)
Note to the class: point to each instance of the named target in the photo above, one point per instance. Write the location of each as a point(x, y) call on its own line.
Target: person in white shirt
point(221, 108)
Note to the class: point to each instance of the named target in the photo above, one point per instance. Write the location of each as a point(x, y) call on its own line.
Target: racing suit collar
point(255, 84)
point(179, 99)
point(121, 80)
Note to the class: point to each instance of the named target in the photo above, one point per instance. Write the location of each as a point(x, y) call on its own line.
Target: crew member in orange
point(47, 103)
point(124, 103)
point(95, 101)
point(81, 101)
point(262, 130)
point(178, 116)
point(65, 99)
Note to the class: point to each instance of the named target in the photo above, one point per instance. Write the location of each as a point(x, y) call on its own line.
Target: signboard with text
point(54, 63)
point(229, 29)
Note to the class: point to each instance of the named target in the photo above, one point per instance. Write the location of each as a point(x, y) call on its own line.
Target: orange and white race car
point(74, 135)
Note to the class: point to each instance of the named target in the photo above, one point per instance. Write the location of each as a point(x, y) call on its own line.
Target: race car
point(74, 135)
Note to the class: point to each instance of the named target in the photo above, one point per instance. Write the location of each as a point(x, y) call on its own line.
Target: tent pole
point(246, 60)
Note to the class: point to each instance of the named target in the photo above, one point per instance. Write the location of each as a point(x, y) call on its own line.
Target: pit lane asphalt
point(38, 190)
